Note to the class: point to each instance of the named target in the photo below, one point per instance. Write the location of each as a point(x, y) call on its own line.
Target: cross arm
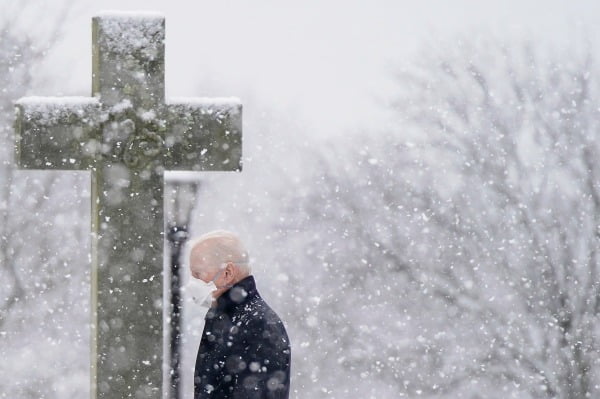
point(57, 132)
point(204, 134)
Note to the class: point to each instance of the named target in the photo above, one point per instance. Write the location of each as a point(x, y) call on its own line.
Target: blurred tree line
point(44, 261)
point(456, 254)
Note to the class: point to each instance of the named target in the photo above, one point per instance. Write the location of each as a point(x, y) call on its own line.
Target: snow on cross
point(127, 136)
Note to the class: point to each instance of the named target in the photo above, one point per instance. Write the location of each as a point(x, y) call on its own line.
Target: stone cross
point(127, 136)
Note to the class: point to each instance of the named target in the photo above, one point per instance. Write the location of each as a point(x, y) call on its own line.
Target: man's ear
point(229, 271)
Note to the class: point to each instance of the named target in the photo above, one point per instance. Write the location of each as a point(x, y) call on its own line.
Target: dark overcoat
point(244, 351)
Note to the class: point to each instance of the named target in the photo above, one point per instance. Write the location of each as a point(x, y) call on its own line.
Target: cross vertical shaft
point(127, 136)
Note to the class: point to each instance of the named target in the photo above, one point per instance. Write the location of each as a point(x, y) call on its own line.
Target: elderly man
point(244, 350)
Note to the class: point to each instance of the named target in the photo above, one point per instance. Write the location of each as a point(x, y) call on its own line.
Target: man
point(244, 350)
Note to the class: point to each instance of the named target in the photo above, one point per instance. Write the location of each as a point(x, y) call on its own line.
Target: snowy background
point(420, 193)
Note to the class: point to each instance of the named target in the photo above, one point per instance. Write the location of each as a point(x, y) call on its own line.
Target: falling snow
point(448, 249)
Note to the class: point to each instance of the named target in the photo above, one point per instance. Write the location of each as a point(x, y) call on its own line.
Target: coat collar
point(241, 292)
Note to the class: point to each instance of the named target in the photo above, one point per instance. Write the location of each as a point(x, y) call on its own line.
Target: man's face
point(203, 266)
point(201, 263)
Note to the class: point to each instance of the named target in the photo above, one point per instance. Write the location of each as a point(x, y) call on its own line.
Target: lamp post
point(180, 196)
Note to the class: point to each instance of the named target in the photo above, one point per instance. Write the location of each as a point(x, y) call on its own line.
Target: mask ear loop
point(223, 267)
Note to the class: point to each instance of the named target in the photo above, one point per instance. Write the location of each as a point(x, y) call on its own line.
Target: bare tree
point(459, 254)
point(18, 58)
point(42, 250)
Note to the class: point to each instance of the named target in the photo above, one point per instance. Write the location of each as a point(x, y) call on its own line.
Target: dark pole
point(180, 196)
point(177, 236)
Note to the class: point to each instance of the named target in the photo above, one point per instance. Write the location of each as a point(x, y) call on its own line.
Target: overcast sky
point(326, 61)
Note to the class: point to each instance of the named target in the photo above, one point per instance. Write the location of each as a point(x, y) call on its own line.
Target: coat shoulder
point(259, 320)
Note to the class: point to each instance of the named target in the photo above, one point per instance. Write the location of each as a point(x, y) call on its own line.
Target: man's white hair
point(227, 245)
